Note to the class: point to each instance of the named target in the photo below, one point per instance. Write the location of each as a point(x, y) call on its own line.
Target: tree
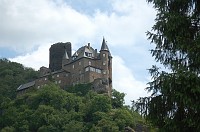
point(174, 104)
point(12, 75)
point(117, 99)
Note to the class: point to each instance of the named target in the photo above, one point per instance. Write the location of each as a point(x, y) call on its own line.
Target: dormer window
point(88, 54)
point(74, 57)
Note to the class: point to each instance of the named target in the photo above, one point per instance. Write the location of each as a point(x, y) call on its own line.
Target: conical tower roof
point(104, 45)
point(65, 56)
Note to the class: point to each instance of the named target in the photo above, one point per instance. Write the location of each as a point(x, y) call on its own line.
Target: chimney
point(95, 52)
point(88, 45)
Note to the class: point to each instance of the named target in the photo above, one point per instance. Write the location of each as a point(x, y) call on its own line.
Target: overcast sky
point(29, 27)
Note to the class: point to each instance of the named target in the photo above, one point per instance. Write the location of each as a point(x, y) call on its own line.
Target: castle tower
point(106, 59)
point(56, 53)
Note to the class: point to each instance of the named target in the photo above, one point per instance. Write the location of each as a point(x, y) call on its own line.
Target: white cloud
point(124, 81)
point(36, 59)
point(127, 24)
point(26, 24)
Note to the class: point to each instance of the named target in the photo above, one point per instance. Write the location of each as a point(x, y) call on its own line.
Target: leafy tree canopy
point(53, 109)
point(12, 75)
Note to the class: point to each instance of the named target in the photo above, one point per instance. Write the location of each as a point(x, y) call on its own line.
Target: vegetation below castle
point(52, 109)
point(12, 75)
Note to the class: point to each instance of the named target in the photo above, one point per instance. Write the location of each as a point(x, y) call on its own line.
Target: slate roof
point(81, 52)
point(88, 52)
point(26, 85)
point(66, 55)
point(104, 45)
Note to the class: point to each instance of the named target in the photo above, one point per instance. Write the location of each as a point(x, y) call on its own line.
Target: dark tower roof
point(66, 56)
point(104, 45)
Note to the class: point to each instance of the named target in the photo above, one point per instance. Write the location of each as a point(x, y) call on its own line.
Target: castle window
point(59, 81)
point(66, 75)
point(87, 69)
point(80, 72)
point(89, 54)
point(104, 63)
point(79, 63)
point(89, 62)
point(92, 69)
point(58, 75)
point(104, 72)
point(45, 78)
point(98, 70)
point(73, 66)
point(104, 55)
point(38, 87)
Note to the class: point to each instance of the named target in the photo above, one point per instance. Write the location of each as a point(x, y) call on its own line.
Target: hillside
point(12, 75)
point(52, 109)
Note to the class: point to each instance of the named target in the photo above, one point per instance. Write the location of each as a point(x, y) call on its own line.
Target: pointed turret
point(104, 45)
point(76, 54)
point(66, 55)
point(106, 63)
point(65, 58)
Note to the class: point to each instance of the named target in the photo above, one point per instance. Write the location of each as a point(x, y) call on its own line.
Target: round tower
point(106, 60)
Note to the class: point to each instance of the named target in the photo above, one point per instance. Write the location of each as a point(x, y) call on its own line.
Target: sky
point(29, 27)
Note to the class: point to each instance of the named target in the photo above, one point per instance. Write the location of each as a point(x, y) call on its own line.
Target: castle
point(86, 65)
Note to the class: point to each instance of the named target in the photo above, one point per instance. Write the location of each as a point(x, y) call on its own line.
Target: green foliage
point(117, 99)
point(80, 89)
point(74, 126)
point(174, 104)
point(12, 75)
point(53, 109)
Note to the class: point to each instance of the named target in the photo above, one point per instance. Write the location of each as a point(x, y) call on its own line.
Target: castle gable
point(85, 51)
